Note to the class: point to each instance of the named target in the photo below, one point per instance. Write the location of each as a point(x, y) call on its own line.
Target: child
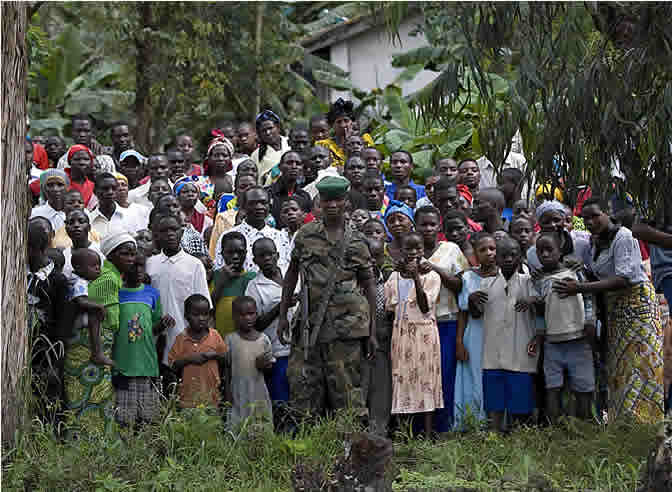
point(373, 159)
point(291, 215)
point(521, 230)
point(359, 217)
point(430, 184)
point(508, 329)
point(374, 229)
point(566, 334)
point(56, 256)
point(266, 290)
point(522, 209)
point(377, 372)
point(86, 266)
point(469, 343)
point(207, 264)
point(319, 128)
point(250, 353)
point(145, 242)
point(230, 281)
point(134, 351)
point(456, 230)
point(399, 221)
point(415, 347)
point(446, 259)
point(373, 188)
point(195, 354)
point(406, 194)
point(354, 145)
point(509, 182)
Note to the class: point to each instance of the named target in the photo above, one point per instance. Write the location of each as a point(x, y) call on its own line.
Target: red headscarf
point(464, 192)
point(76, 148)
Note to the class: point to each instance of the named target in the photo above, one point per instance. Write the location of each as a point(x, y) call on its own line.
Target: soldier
point(336, 319)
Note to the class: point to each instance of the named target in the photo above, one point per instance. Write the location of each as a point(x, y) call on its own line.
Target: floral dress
point(415, 350)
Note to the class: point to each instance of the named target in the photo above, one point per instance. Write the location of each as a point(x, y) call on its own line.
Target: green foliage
point(586, 84)
point(200, 65)
point(191, 450)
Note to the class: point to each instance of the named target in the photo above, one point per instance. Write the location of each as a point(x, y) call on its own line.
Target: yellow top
point(337, 153)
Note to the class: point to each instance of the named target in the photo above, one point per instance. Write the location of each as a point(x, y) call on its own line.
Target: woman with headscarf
point(89, 394)
point(217, 183)
point(80, 162)
point(187, 192)
point(634, 329)
point(53, 185)
point(341, 118)
point(399, 220)
point(272, 146)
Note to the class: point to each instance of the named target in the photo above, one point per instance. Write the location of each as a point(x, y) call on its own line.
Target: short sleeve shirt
point(507, 332)
point(622, 258)
point(347, 312)
point(448, 256)
point(134, 351)
point(200, 383)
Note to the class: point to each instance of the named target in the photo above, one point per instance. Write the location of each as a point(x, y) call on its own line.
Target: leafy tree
point(183, 66)
point(588, 85)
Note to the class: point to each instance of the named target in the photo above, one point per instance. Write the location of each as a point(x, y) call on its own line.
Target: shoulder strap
point(331, 286)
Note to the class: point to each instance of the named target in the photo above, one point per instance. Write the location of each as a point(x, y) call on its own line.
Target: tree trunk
point(257, 53)
point(143, 62)
point(14, 334)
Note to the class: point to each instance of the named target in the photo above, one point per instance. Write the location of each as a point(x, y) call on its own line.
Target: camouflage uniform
point(331, 377)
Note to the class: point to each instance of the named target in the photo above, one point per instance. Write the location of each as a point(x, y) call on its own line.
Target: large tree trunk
point(13, 330)
point(143, 63)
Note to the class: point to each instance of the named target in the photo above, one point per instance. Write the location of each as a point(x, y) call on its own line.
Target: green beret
point(333, 187)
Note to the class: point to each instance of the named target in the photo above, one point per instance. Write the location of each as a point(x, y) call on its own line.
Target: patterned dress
point(415, 348)
point(89, 393)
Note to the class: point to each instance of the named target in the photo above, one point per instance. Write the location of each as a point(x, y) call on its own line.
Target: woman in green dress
point(89, 393)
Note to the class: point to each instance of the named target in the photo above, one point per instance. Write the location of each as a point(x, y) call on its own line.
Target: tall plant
point(588, 85)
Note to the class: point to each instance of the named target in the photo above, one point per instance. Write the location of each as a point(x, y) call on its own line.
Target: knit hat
point(114, 240)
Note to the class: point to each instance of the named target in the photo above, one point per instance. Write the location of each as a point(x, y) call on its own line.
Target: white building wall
point(368, 59)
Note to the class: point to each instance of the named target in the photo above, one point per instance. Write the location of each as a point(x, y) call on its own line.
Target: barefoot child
point(266, 290)
point(446, 259)
point(230, 281)
point(250, 354)
point(566, 334)
point(196, 353)
point(86, 268)
point(508, 329)
point(377, 377)
point(134, 351)
point(469, 344)
point(415, 347)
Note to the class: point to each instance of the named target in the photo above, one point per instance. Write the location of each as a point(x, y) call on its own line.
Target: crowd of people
point(309, 273)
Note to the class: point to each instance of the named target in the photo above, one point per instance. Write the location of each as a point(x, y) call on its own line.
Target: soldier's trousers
point(329, 380)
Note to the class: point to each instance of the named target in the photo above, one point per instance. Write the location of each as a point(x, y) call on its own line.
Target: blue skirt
point(443, 417)
point(276, 380)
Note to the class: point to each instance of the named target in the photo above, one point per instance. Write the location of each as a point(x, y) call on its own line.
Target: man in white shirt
point(176, 275)
point(257, 207)
point(109, 215)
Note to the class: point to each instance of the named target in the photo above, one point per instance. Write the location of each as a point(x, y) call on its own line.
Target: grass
point(194, 452)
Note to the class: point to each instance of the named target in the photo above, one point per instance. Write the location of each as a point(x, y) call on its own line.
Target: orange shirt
point(200, 383)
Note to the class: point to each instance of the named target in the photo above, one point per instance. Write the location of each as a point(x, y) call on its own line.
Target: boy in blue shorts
point(567, 333)
point(508, 330)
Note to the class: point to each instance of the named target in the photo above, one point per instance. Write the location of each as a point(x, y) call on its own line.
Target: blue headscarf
point(397, 207)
